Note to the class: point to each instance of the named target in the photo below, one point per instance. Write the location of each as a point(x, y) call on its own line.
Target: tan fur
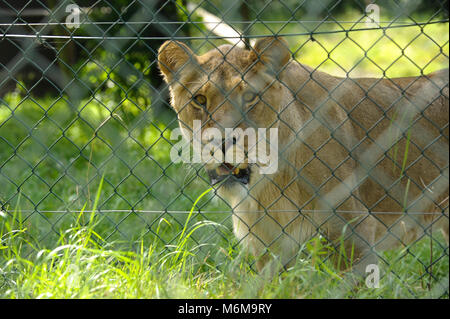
point(329, 159)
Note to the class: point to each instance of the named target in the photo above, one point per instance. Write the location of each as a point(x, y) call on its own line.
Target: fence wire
point(355, 90)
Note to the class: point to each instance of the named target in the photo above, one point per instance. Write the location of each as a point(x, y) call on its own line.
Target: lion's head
point(228, 88)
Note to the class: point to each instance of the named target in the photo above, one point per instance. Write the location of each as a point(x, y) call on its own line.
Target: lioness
point(362, 161)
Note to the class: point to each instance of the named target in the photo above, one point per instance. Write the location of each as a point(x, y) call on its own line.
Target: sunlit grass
point(81, 264)
point(389, 52)
point(398, 52)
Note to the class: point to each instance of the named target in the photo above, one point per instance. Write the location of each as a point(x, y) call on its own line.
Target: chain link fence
point(362, 147)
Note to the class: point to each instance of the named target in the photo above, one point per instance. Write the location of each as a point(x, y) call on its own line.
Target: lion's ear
point(273, 52)
point(173, 56)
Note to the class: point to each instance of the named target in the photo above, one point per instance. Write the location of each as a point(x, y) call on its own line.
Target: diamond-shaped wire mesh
point(363, 126)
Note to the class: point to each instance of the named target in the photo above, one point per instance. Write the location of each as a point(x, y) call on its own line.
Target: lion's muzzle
point(229, 174)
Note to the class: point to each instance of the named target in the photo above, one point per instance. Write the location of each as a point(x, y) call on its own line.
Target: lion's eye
point(200, 100)
point(249, 97)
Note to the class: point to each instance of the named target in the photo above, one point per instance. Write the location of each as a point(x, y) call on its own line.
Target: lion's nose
point(224, 146)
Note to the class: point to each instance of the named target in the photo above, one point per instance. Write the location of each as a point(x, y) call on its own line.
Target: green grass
point(82, 265)
point(56, 152)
